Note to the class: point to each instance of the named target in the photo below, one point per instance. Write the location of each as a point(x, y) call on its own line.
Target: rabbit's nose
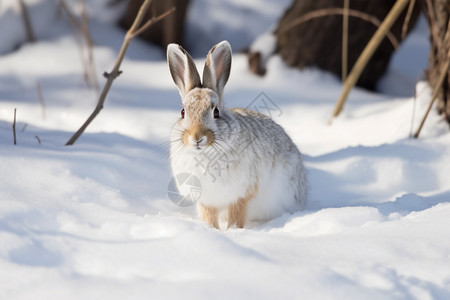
point(198, 142)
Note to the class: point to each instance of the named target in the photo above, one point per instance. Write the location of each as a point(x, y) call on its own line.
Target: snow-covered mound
point(93, 221)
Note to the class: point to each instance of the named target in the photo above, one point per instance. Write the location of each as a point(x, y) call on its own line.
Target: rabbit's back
point(277, 164)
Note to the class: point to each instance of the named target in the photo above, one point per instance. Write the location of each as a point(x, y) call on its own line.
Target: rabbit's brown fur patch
point(237, 212)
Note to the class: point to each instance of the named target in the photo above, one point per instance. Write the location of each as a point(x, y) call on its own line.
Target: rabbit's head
point(202, 100)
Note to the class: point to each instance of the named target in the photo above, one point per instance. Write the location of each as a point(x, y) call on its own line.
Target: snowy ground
point(93, 221)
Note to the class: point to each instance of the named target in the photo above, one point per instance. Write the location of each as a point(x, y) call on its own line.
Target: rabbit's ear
point(182, 68)
point(217, 67)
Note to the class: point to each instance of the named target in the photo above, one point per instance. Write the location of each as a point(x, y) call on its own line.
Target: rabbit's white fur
point(246, 163)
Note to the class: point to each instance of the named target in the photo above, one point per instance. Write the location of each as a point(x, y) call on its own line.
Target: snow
point(93, 221)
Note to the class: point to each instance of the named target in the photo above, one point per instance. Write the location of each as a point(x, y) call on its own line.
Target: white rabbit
point(246, 163)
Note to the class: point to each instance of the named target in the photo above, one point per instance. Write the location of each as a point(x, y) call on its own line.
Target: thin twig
point(14, 127)
point(152, 21)
point(89, 64)
point(407, 18)
point(131, 33)
point(344, 57)
point(433, 28)
point(368, 52)
point(27, 22)
point(41, 99)
point(411, 128)
point(436, 89)
point(84, 43)
point(72, 19)
point(339, 11)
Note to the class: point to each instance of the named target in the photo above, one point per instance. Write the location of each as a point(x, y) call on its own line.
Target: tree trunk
point(438, 17)
point(310, 34)
point(169, 30)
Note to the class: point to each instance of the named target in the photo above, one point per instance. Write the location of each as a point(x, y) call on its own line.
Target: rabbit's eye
point(216, 113)
point(182, 113)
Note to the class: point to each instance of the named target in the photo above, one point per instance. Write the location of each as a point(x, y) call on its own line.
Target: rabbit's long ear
point(182, 68)
point(217, 67)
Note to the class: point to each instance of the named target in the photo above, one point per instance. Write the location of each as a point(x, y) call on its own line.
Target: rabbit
point(248, 167)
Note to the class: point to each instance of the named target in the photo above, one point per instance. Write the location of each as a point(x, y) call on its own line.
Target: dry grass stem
point(41, 99)
point(340, 11)
point(14, 127)
point(433, 27)
point(407, 18)
point(91, 71)
point(436, 89)
point(84, 42)
point(27, 22)
point(344, 63)
point(72, 19)
point(413, 116)
point(367, 53)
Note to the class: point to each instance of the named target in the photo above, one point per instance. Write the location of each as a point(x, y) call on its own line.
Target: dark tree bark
point(169, 30)
point(318, 40)
point(438, 17)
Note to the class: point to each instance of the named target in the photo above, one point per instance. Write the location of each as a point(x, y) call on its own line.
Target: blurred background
point(94, 221)
point(328, 34)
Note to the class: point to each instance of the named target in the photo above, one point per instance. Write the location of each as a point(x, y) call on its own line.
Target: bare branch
point(131, 33)
point(152, 21)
